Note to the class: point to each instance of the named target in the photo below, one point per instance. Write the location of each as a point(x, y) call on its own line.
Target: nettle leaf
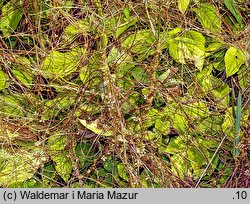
point(183, 5)
point(234, 58)
point(77, 28)
point(22, 76)
point(125, 26)
point(12, 105)
point(122, 60)
point(57, 142)
point(162, 126)
point(140, 43)
point(63, 165)
point(139, 74)
point(19, 166)
point(61, 64)
point(89, 73)
point(122, 171)
point(11, 16)
point(190, 46)
point(209, 18)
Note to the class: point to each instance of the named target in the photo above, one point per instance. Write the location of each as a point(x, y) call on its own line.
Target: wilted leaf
point(93, 127)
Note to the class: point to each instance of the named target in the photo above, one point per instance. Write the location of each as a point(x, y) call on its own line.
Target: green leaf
point(2, 80)
point(208, 16)
point(123, 27)
point(77, 28)
point(12, 105)
point(183, 5)
point(162, 126)
point(234, 58)
point(139, 74)
point(236, 151)
point(19, 166)
point(140, 43)
point(110, 164)
point(122, 171)
point(126, 12)
point(22, 76)
point(59, 64)
point(190, 46)
point(11, 16)
point(57, 143)
point(231, 6)
point(85, 153)
point(63, 165)
point(93, 127)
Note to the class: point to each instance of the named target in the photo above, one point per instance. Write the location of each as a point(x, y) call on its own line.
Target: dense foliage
point(124, 93)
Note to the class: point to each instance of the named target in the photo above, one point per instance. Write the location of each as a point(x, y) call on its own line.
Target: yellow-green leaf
point(183, 5)
point(2, 80)
point(190, 46)
point(208, 16)
point(122, 171)
point(63, 165)
point(20, 166)
point(234, 58)
point(11, 16)
point(60, 64)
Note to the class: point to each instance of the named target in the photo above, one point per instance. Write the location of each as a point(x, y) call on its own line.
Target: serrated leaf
point(11, 16)
point(183, 5)
point(93, 127)
point(208, 16)
point(234, 58)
